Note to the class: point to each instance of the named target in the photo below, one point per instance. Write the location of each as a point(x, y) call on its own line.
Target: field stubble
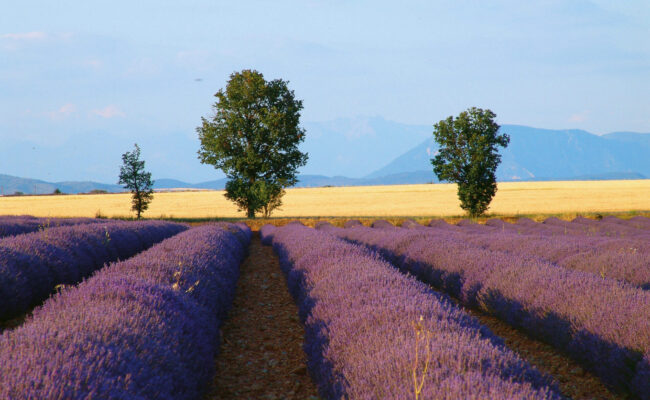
point(426, 200)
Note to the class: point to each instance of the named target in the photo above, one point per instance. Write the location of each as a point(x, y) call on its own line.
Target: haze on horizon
point(108, 74)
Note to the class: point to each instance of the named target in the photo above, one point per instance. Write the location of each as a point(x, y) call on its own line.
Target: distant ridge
point(545, 154)
point(10, 184)
point(533, 155)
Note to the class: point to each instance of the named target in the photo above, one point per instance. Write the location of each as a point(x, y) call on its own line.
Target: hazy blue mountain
point(351, 147)
point(216, 185)
point(630, 137)
point(401, 178)
point(97, 156)
point(608, 176)
point(12, 184)
point(354, 147)
point(547, 154)
point(343, 152)
point(170, 184)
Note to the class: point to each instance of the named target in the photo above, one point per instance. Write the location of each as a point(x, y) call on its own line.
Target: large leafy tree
point(137, 180)
point(468, 156)
point(253, 137)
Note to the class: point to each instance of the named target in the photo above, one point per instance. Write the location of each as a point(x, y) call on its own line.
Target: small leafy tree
point(253, 137)
point(468, 156)
point(137, 180)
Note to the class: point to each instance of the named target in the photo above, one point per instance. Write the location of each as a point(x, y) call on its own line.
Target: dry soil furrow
point(573, 380)
point(261, 353)
point(13, 323)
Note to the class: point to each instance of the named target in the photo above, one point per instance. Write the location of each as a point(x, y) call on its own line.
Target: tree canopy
point(253, 138)
point(468, 156)
point(137, 180)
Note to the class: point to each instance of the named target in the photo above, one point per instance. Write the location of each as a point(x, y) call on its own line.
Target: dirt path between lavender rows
point(261, 353)
point(262, 357)
point(573, 380)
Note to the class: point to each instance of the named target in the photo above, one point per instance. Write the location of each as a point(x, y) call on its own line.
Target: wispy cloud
point(63, 112)
point(110, 111)
point(24, 36)
point(13, 41)
point(579, 117)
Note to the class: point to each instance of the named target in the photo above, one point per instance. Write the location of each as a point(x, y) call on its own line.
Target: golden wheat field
point(427, 200)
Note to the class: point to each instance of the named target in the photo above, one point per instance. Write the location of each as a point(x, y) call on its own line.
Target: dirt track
point(261, 351)
point(262, 356)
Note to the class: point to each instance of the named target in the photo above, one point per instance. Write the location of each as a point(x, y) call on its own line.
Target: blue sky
point(135, 71)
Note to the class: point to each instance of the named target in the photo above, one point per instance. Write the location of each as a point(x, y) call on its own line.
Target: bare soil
point(10, 324)
point(261, 351)
point(573, 380)
point(262, 356)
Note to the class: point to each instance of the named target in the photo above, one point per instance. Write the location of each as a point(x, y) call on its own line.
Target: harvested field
point(439, 200)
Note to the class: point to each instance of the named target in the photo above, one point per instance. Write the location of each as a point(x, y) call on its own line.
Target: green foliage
point(253, 137)
point(57, 191)
point(137, 180)
point(260, 195)
point(98, 191)
point(469, 156)
point(100, 215)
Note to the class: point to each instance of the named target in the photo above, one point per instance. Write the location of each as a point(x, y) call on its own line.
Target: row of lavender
point(144, 328)
point(33, 264)
point(612, 227)
point(603, 323)
point(626, 259)
point(19, 224)
point(608, 226)
point(372, 332)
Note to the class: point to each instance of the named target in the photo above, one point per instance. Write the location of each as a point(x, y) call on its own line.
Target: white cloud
point(63, 112)
point(579, 117)
point(110, 111)
point(13, 41)
point(24, 36)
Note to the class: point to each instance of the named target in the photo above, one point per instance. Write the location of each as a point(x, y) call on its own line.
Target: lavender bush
point(622, 259)
point(144, 328)
point(639, 222)
point(362, 319)
point(18, 224)
point(410, 224)
point(589, 227)
point(352, 222)
point(603, 323)
point(32, 265)
point(610, 226)
point(382, 224)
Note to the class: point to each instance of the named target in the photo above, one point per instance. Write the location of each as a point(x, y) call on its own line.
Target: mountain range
point(544, 154)
point(345, 152)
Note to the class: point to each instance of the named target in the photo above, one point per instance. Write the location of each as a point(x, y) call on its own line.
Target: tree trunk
point(251, 213)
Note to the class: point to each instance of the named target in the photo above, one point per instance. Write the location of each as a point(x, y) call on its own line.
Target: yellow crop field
point(427, 200)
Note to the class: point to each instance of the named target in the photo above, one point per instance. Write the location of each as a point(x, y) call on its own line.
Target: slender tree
point(137, 180)
point(253, 137)
point(468, 155)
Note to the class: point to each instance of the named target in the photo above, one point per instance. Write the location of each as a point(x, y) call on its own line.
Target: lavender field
point(143, 328)
point(584, 292)
point(135, 310)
